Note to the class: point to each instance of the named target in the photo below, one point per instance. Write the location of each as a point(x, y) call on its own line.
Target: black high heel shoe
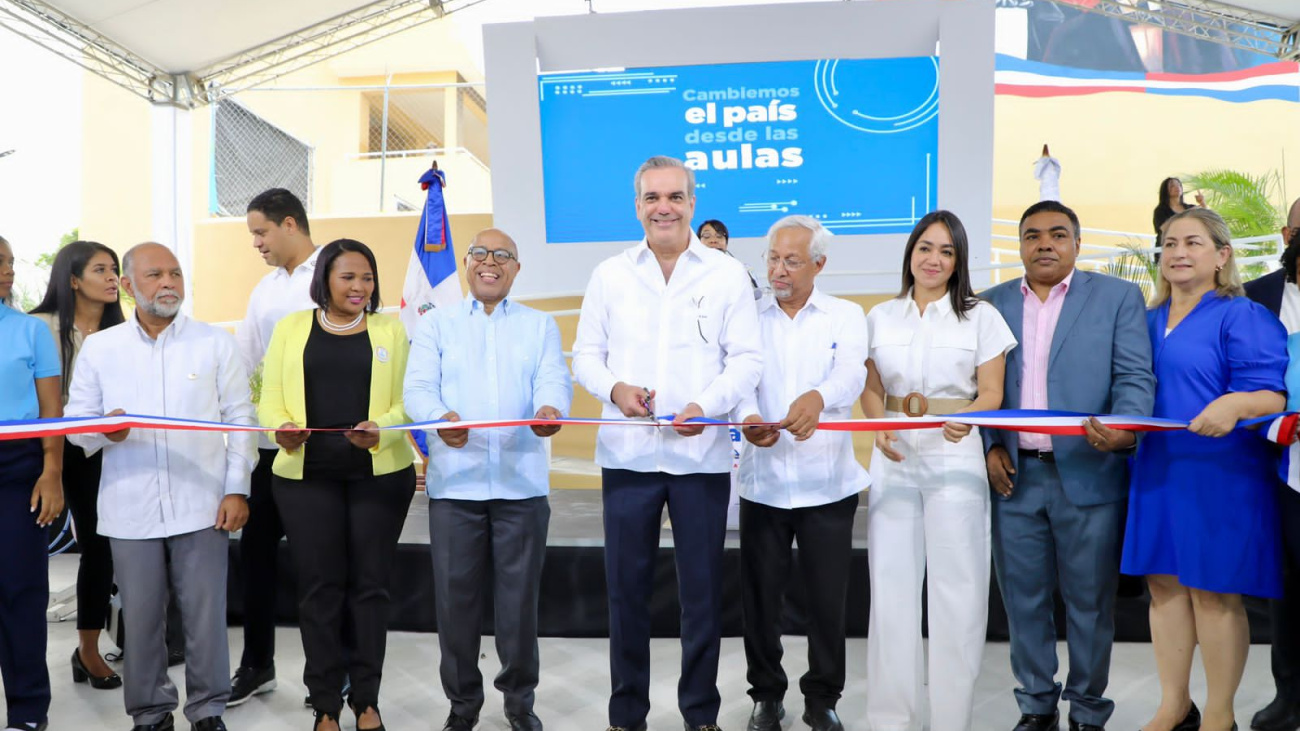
point(1190, 722)
point(358, 711)
point(315, 724)
point(81, 675)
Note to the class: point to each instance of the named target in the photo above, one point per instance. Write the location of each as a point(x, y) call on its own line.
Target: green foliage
point(1136, 266)
point(1251, 205)
point(255, 384)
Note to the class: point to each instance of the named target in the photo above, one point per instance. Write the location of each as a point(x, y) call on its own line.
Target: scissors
point(648, 404)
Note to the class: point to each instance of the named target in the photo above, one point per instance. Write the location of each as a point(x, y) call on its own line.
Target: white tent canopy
point(190, 52)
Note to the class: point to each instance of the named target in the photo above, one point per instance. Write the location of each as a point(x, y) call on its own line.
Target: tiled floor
point(575, 683)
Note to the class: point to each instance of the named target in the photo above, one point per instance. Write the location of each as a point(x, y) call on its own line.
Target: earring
point(1218, 269)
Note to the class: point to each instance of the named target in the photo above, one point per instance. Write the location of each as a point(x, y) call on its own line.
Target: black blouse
point(336, 375)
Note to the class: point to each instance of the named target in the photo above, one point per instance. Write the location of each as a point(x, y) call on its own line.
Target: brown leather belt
point(915, 404)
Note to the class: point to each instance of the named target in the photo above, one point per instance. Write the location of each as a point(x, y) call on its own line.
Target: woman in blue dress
point(1202, 520)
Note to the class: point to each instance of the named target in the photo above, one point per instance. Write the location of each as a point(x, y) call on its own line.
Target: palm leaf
point(1246, 202)
point(1136, 266)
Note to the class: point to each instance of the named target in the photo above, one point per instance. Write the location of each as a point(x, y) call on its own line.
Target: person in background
point(490, 358)
point(1279, 294)
point(1202, 518)
point(282, 235)
point(343, 494)
point(168, 500)
point(803, 485)
point(1171, 202)
point(82, 299)
point(31, 497)
point(935, 349)
point(713, 234)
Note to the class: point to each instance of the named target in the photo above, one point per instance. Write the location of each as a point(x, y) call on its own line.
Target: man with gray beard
point(168, 500)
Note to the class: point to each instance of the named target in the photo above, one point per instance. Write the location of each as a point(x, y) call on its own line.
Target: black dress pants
point(824, 534)
point(343, 536)
point(1286, 611)
point(95, 569)
point(24, 586)
point(259, 551)
point(633, 510)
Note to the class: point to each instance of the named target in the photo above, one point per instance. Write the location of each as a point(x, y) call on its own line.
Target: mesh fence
point(250, 155)
point(349, 150)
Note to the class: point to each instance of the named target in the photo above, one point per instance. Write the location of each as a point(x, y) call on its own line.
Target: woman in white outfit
point(935, 349)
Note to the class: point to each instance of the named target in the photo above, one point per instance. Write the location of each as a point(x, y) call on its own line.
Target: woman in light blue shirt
point(30, 482)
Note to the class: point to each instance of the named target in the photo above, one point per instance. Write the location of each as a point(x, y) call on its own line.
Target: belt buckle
point(915, 404)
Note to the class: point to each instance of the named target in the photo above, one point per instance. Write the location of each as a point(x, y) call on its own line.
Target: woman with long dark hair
point(1171, 202)
point(935, 349)
point(343, 493)
point(82, 299)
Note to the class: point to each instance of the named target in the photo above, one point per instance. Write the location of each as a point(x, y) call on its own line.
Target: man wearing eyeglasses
point(668, 326)
point(490, 358)
point(802, 485)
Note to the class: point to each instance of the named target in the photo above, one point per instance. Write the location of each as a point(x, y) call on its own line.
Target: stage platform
point(573, 583)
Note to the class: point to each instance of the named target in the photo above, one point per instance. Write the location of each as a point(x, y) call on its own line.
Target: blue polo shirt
point(27, 352)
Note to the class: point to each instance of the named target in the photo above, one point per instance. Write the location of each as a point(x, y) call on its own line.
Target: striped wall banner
point(1278, 81)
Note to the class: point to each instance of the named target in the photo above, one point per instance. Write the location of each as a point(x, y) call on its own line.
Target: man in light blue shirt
point(489, 358)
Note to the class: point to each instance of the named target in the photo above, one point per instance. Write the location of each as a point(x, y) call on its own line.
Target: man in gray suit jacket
point(1059, 502)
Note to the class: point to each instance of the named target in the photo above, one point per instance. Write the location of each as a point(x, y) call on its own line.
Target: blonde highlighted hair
point(1227, 281)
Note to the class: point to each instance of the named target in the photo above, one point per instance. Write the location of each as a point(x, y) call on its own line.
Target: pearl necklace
point(325, 322)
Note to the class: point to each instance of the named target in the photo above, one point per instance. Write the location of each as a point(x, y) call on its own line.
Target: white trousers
point(912, 530)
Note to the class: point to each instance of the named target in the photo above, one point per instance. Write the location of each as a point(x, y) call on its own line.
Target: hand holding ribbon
point(549, 413)
point(761, 434)
point(454, 438)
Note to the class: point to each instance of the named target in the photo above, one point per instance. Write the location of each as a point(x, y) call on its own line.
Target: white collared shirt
point(276, 295)
point(160, 483)
point(691, 339)
point(936, 355)
point(1289, 311)
point(822, 348)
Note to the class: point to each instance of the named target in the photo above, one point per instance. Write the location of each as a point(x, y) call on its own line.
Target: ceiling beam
point(1209, 20)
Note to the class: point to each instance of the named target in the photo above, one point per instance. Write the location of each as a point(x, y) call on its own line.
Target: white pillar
point(172, 168)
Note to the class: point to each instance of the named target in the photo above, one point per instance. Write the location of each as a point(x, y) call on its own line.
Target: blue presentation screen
point(851, 142)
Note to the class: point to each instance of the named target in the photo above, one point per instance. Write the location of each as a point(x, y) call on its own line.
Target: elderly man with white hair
point(168, 500)
point(801, 485)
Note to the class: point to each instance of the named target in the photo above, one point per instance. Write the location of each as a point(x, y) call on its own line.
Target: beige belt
point(915, 404)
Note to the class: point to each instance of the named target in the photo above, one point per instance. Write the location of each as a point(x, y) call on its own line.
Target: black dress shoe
point(527, 722)
point(459, 723)
point(1076, 726)
point(81, 675)
point(1192, 721)
point(638, 727)
point(822, 719)
point(249, 682)
point(767, 716)
point(1283, 714)
point(211, 723)
point(1039, 722)
point(167, 724)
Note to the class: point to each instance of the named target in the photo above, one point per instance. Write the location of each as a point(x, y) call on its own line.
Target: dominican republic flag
point(431, 279)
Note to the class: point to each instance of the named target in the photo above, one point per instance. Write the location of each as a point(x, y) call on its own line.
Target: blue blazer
point(1099, 363)
point(1267, 290)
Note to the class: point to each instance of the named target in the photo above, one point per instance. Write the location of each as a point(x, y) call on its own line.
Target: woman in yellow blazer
point(343, 494)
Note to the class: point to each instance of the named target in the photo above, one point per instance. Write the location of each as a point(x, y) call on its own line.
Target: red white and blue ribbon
point(1058, 423)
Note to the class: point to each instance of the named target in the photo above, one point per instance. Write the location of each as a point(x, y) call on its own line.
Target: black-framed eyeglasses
point(500, 256)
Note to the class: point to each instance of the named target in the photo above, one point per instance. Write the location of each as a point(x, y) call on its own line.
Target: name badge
point(381, 353)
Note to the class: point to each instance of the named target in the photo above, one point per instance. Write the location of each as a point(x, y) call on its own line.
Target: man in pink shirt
point(1059, 501)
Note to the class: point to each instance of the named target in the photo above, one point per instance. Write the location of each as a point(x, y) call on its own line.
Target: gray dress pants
point(193, 567)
